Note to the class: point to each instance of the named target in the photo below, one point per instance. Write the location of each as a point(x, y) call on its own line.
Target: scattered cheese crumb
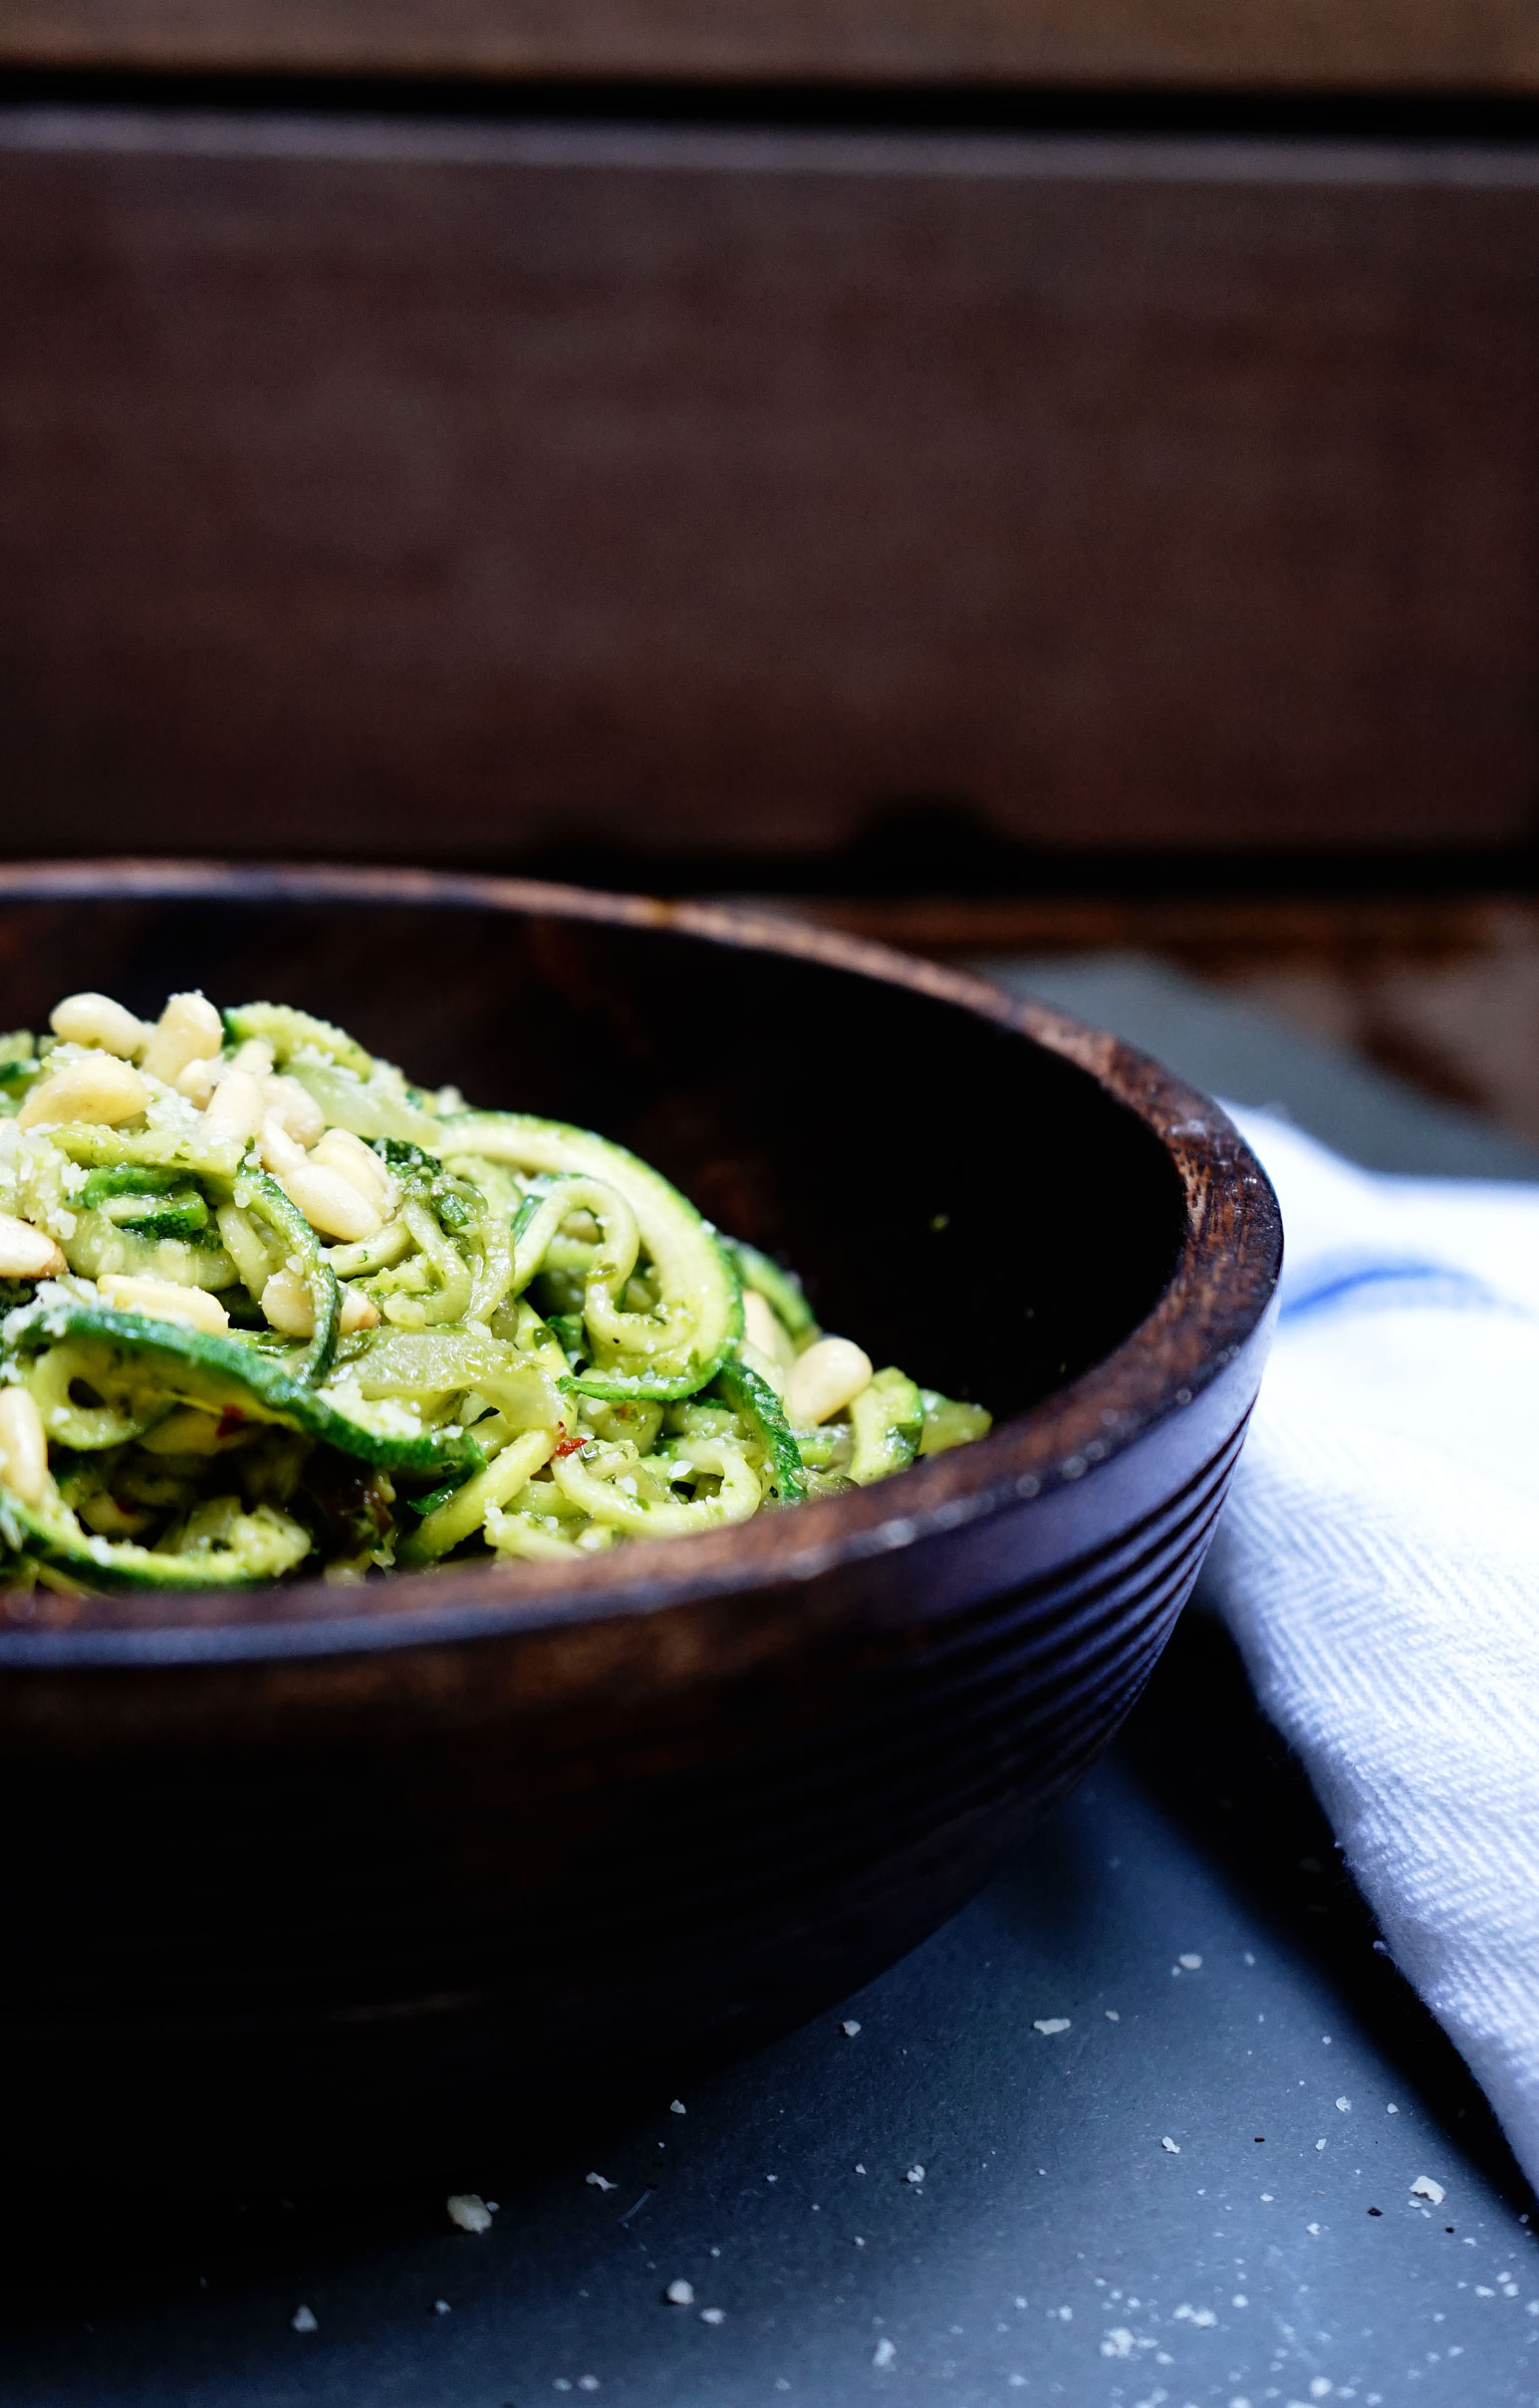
point(1046, 2024)
point(680, 2293)
point(714, 2315)
point(587, 2382)
point(1319, 2144)
point(914, 2174)
point(676, 2107)
point(1240, 2299)
point(1192, 1964)
point(303, 2320)
point(1312, 2228)
point(884, 2354)
point(469, 2211)
point(1173, 2146)
point(1117, 2343)
point(1344, 2106)
point(442, 2307)
point(599, 2182)
point(1425, 2188)
point(848, 2027)
point(1391, 2110)
point(858, 2242)
point(860, 2169)
point(1111, 2016)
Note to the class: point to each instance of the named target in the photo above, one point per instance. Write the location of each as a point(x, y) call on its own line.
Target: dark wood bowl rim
point(1223, 1286)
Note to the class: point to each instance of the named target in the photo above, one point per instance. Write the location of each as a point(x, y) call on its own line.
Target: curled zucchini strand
point(492, 1243)
point(52, 1377)
point(462, 1515)
point(535, 1235)
point(366, 1256)
point(452, 1295)
point(618, 1486)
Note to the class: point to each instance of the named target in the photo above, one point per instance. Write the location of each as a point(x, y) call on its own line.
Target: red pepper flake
point(231, 1420)
point(570, 1446)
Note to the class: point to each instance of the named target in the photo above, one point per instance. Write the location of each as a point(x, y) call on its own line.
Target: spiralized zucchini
point(270, 1309)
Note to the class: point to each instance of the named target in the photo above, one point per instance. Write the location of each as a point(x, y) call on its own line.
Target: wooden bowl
point(320, 1877)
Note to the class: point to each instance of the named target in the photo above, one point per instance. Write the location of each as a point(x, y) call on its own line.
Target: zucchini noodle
point(268, 1310)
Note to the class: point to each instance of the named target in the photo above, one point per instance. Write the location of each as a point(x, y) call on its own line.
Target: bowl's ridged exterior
point(335, 1875)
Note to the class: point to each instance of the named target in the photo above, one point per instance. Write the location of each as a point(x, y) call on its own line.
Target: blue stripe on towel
point(1386, 1283)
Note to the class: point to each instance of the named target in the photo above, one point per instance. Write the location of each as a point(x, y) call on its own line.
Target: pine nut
point(351, 1159)
point(95, 1020)
point(95, 1086)
point(163, 1300)
point(23, 1447)
point(188, 1030)
point(27, 1253)
point(233, 1113)
point(196, 1082)
point(328, 1203)
point(296, 1112)
point(255, 1055)
point(358, 1312)
point(333, 1204)
point(763, 1331)
point(286, 1304)
point(277, 1148)
point(821, 1382)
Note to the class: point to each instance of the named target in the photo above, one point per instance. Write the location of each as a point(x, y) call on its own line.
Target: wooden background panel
point(1376, 45)
point(450, 492)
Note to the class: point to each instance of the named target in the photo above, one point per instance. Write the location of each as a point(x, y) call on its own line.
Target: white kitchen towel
point(1379, 1566)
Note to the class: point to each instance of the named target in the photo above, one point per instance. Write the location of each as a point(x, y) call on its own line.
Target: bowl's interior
point(962, 1201)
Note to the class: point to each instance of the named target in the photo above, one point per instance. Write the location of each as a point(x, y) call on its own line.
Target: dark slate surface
point(1055, 2249)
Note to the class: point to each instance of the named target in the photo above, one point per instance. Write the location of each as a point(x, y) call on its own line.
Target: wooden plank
point(1285, 44)
point(453, 492)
